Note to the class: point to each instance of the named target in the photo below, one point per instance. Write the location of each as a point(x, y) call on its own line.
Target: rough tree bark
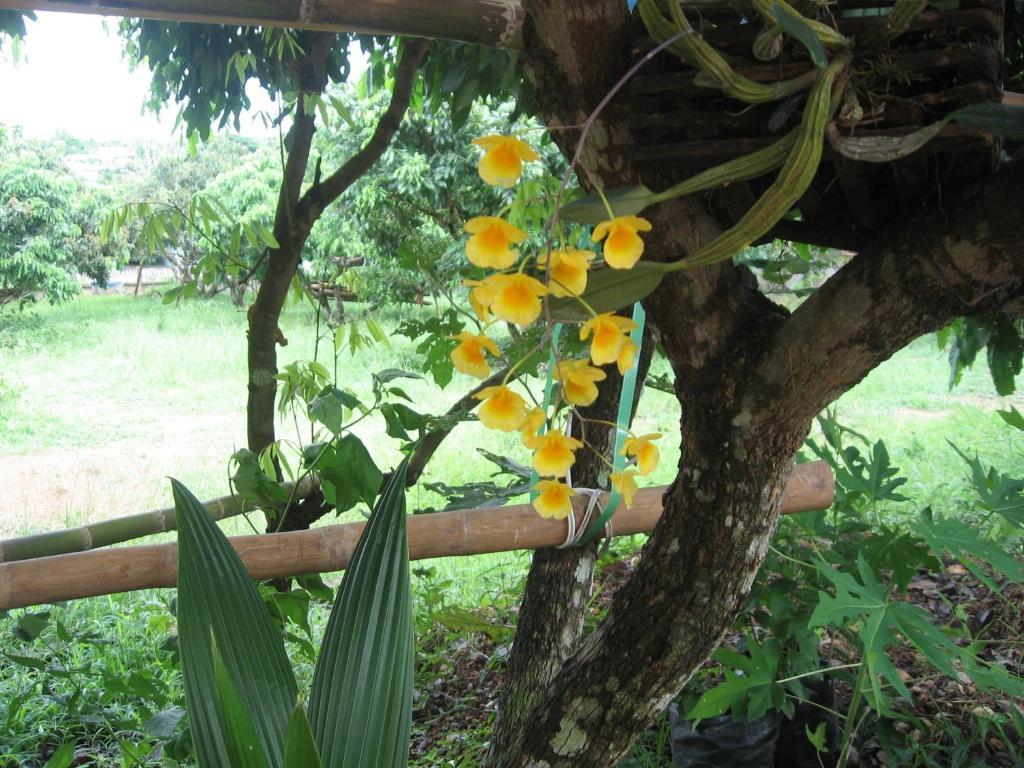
point(294, 218)
point(559, 583)
point(752, 378)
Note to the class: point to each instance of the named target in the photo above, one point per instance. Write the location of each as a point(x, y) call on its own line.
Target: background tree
point(49, 227)
point(299, 64)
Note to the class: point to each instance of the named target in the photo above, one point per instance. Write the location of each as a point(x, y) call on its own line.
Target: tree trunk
point(293, 220)
point(559, 584)
point(751, 379)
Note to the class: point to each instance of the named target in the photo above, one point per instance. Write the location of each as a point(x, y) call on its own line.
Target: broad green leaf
point(993, 117)
point(963, 543)
point(348, 474)
point(31, 662)
point(62, 757)
point(239, 732)
point(361, 700)
point(31, 625)
point(624, 201)
point(796, 26)
point(163, 724)
point(611, 289)
point(329, 407)
point(217, 598)
point(300, 747)
point(252, 482)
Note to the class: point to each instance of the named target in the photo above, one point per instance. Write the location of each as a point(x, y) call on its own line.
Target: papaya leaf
point(217, 598)
point(998, 492)
point(749, 689)
point(865, 598)
point(361, 700)
point(963, 543)
point(1013, 417)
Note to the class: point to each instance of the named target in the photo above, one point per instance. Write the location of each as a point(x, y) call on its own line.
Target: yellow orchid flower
point(555, 499)
point(502, 408)
point(554, 452)
point(627, 356)
point(578, 379)
point(491, 243)
point(469, 356)
point(535, 419)
point(609, 335)
point(516, 297)
point(646, 452)
point(481, 295)
point(502, 163)
point(568, 270)
point(623, 248)
point(625, 483)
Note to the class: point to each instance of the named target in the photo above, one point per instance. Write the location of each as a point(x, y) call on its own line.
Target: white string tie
point(575, 532)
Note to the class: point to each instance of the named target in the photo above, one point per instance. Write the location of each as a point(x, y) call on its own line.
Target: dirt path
point(58, 488)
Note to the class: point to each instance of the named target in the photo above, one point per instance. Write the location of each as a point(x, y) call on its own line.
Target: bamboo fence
point(487, 22)
point(107, 532)
point(442, 534)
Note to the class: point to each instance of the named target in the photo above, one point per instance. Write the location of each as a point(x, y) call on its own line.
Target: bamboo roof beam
point(496, 23)
point(441, 534)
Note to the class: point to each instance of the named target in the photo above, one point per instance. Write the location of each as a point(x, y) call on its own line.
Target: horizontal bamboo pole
point(120, 529)
point(487, 22)
point(442, 534)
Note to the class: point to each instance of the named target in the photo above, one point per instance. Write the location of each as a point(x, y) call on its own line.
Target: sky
point(71, 77)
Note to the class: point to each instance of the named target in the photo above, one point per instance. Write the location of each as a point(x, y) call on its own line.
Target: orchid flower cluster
point(512, 295)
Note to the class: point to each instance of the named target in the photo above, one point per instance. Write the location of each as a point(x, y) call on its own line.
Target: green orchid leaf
point(217, 598)
point(796, 26)
point(624, 201)
point(993, 117)
point(611, 289)
point(361, 701)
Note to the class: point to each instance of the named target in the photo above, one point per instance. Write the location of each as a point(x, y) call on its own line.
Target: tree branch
point(947, 263)
point(319, 196)
point(433, 439)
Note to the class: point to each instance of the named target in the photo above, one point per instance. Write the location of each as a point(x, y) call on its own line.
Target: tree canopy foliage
point(49, 226)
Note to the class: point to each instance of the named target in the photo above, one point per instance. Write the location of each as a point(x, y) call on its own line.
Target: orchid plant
point(515, 292)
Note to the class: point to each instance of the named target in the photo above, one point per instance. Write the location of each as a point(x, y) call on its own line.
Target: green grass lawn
point(103, 398)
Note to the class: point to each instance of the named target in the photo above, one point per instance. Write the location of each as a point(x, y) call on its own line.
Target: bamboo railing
point(487, 22)
point(442, 534)
point(121, 529)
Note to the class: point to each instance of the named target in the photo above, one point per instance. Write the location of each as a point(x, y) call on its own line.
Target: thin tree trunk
point(295, 216)
point(559, 584)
